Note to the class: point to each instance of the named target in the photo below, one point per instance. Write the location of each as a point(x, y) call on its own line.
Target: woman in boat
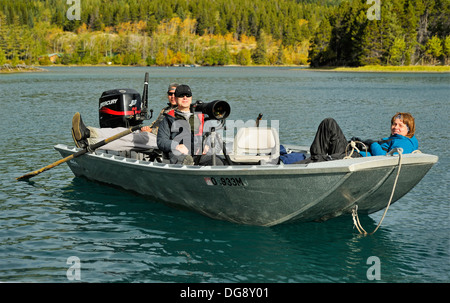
point(180, 135)
point(331, 144)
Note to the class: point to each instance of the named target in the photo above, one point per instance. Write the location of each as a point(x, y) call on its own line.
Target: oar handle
point(80, 152)
point(258, 119)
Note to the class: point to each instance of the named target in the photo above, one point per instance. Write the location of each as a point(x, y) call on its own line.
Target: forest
point(224, 32)
point(408, 32)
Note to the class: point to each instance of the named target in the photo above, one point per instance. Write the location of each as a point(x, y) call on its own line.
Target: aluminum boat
point(258, 194)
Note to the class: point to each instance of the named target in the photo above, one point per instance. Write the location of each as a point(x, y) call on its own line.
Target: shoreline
point(8, 69)
point(387, 69)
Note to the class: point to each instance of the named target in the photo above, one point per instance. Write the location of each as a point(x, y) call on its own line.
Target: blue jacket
point(385, 145)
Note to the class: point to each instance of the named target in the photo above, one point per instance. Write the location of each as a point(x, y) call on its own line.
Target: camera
point(218, 109)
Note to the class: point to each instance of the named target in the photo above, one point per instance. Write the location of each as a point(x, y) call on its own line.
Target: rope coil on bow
point(356, 221)
point(353, 145)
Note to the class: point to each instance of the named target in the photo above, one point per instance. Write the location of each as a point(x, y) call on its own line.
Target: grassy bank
point(370, 68)
point(6, 68)
point(378, 68)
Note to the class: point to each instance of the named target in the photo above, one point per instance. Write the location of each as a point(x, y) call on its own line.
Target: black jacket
point(175, 129)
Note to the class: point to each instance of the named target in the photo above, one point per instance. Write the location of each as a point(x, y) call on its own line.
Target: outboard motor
point(124, 107)
point(120, 108)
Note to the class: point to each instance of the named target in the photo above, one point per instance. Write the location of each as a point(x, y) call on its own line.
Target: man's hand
point(182, 149)
point(146, 129)
point(205, 149)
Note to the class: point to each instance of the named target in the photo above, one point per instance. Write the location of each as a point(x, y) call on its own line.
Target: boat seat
point(255, 145)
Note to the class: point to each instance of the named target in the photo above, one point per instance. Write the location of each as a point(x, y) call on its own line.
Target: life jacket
point(200, 117)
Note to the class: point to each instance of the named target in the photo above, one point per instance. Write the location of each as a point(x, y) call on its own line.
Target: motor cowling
point(120, 108)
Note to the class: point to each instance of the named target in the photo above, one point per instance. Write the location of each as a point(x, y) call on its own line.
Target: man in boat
point(172, 104)
point(143, 140)
point(331, 144)
point(180, 135)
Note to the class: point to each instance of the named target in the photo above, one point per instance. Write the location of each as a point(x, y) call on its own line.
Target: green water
point(120, 237)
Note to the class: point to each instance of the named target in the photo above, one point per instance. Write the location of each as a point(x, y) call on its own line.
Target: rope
point(353, 145)
point(356, 221)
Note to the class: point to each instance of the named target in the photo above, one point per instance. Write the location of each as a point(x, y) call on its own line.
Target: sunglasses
point(171, 94)
point(184, 95)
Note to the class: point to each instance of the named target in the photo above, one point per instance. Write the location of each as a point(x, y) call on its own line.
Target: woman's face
point(399, 128)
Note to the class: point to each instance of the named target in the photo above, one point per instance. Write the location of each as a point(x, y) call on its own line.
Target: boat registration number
point(225, 181)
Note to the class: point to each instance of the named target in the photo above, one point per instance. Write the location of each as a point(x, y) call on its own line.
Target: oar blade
point(79, 153)
point(37, 172)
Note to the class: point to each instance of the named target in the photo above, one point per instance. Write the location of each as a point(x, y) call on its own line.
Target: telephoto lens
point(217, 109)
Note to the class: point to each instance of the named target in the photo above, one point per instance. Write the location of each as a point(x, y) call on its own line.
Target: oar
point(81, 152)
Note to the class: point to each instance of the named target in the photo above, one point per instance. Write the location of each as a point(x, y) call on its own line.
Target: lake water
point(120, 237)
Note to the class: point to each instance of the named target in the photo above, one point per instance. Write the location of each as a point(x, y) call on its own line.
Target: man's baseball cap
point(183, 90)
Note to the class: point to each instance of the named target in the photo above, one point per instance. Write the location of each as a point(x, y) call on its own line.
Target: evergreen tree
point(446, 49)
point(397, 52)
point(3, 30)
point(320, 53)
point(2, 57)
point(379, 37)
point(434, 48)
point(259, 55)
point(243, 57)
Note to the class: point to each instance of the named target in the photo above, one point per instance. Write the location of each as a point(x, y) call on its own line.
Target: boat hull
point(261, 195)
